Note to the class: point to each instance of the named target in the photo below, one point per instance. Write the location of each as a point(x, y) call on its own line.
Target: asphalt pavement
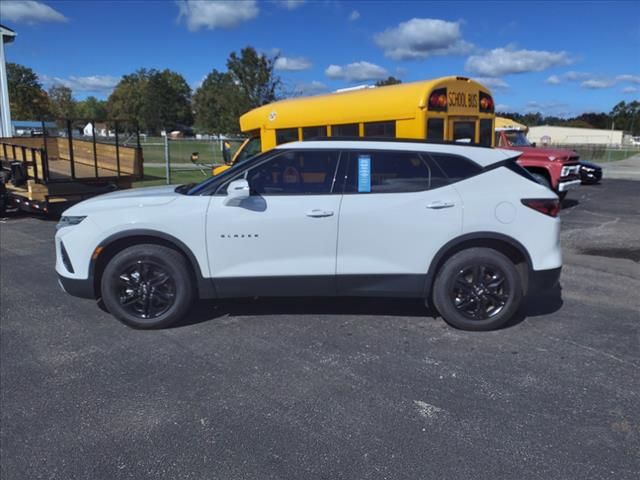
point(332, 388)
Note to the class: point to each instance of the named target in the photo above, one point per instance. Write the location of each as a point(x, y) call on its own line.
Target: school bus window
point(346, 130)
point(464, 131)
point(380, 129)
point(435, 129)
point(486, 132)
point(285, 135)
point(313, 132)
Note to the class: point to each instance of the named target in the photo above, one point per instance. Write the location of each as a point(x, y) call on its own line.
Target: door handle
point(439, 204)
point(317, 213)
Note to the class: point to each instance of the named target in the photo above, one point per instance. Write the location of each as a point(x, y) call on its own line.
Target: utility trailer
point(47, 174)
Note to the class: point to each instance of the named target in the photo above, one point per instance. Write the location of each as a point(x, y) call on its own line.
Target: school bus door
point(460, 128)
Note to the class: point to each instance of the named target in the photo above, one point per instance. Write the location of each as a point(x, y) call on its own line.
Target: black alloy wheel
point(147, 289)
point(480, 291)
point(148, 286)
point(477, 289)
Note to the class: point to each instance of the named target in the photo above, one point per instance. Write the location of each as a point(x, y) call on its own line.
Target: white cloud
point(505, 61)
point(291, 4)
point(548, 108)
point(292, 64)
point(356, 72)
point(502, 107)
point(30, 12)
point(221, 14)
point(570, 76)
point(92, 83)
point(629, 78)
point(575, 76)
point(355, 15)
point(594, 83)
point(311, 88)
point(492, 82)
point(630, 89)
point(422, 37)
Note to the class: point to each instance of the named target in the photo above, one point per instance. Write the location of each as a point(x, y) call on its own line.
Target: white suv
point(463, 227)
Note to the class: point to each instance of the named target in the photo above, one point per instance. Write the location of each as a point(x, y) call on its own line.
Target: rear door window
point(387, 172)
point(455, 167)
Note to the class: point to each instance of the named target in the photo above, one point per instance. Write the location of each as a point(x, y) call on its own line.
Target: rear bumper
point(568, 185)
point(78, 288)
point(541, 280)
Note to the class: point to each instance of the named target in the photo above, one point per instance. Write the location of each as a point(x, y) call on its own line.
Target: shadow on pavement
point(541, 304)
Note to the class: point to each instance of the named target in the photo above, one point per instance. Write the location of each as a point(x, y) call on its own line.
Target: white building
point(101, 130)
point(6, 36)
point(549, 135)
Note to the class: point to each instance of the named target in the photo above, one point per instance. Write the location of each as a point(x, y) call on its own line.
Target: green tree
point(155, 99)
point(126, 100)
point(166, 102)
point(92, 109)
point(27, 99)
point(61, 101)
point(626, 116)
point(218, 103)
point(388, 81)
point(254, 74)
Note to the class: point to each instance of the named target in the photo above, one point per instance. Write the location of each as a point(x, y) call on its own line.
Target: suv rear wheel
point(477, 289)
point(147, 286)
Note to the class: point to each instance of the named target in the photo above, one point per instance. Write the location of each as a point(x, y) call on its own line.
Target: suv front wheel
point(147, 286)
point(477, 289)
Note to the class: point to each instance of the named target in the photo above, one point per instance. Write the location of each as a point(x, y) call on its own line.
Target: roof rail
point(395, 140)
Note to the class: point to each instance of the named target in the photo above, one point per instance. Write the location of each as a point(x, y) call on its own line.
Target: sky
point(558, 58)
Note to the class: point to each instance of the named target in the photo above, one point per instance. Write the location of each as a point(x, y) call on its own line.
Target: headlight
point(69, 221)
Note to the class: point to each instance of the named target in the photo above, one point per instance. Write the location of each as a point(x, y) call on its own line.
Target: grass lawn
point(180, 150)
point(156, 176)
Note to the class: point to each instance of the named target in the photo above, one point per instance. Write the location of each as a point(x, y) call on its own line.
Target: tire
point(542, 180)
point(147, 286)
point(562, 195)
point(477, 289)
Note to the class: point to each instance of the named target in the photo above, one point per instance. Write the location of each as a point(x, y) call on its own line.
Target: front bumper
point(82, 288)
point(568, 185)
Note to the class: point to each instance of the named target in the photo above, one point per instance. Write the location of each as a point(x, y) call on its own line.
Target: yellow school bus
point(448, 108)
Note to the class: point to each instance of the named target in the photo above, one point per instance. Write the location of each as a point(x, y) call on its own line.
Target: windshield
point(517, 139)
point(211, 183)
point(251, 148)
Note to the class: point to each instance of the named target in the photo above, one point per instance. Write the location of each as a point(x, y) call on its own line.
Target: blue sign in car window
point(364, 173)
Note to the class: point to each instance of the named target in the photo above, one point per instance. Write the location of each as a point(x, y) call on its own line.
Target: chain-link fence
point(182, 160)
point(602, 153)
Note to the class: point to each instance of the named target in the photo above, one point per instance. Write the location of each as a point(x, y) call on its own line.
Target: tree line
point(156, 99)
point(162, 99)
point(623, 116)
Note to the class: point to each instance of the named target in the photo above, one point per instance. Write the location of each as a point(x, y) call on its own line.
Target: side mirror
point(533, 144)
point(237, 191)
point(226, 153)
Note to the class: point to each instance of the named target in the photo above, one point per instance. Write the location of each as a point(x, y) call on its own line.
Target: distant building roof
point(31, 124)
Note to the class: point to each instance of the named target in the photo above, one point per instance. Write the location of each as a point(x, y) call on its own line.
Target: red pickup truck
point(556, 168)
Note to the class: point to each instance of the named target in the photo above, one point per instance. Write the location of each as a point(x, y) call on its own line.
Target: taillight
point(547, 206)
point(438, 100)
point(486, 103)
